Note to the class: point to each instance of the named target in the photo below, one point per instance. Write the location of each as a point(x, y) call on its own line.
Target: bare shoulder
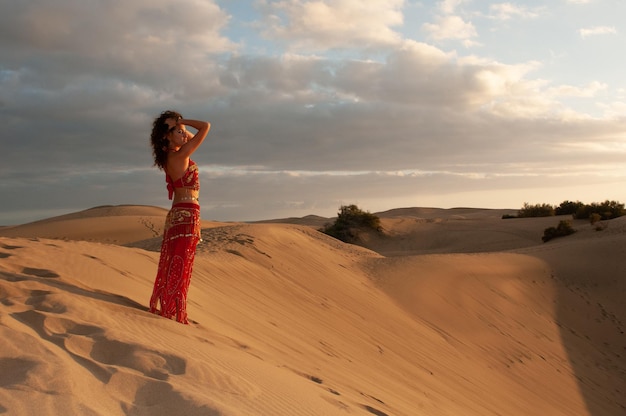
point(177, 164)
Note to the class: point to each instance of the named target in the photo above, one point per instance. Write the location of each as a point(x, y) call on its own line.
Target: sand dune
point(457, 312)
point(106, 224)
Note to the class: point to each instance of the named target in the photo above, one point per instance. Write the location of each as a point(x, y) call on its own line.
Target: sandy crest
point(288, 321)
point(121, 224)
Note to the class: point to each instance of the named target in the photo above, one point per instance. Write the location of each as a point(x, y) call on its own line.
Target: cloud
point(329, 24)
point(449, 6)
point(450, 27)
point(597, 30)
point(571, 91)
point(351, 110)
point(56, 45)
point(614, 110)
point(506, 11)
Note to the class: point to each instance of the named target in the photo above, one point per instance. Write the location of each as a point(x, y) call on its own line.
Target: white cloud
point(615, 110)
point(324, 24)
point(571, 91)
point(505, 11)
point(449, 6)
point(597, 30)
point(450, 27)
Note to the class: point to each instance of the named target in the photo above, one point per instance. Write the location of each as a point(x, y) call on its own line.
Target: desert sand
point(450, 312)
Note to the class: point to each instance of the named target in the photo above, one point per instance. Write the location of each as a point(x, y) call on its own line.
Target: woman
point(172, 146)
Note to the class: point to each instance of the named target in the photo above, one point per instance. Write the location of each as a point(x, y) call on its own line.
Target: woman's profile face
point(178, 135)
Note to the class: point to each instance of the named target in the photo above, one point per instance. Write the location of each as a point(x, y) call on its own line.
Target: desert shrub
point(596, 222)
point(537, 210)
point(564, 228)
point(607, 210)
point(568, 208)
point(350, 221)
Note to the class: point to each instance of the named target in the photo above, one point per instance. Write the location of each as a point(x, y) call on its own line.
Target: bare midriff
point(186, 195)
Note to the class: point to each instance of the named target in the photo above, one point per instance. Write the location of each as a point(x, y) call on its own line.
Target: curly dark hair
point(158, 137)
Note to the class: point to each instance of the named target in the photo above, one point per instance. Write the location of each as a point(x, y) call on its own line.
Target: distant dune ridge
point(449, 312)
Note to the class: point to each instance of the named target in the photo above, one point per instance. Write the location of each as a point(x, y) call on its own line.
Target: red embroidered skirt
point(178, 250)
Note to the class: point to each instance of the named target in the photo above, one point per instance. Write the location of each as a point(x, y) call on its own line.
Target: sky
point(313, 104)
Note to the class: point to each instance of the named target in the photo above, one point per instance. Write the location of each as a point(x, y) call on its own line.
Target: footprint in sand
point(15, 371)
point(90, 344)
point(9, 247)
point(31, 271)
point(44, 300)
point(153, 364)
point(136, 374)
point(374, 411)
point(142, 396)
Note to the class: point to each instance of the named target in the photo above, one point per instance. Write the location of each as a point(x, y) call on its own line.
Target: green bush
point(351, 220)
point(564, 228)
point(537, 210)
point(568, 208)
point(596, 222)
point(607, 210)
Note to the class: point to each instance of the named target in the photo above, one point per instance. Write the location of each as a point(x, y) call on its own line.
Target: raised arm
point(193, 140)
point(192, 144)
